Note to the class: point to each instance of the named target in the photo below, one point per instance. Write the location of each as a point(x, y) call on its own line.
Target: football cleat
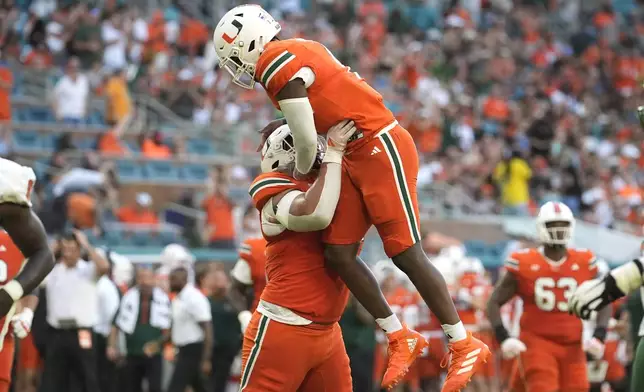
point(404, 347)
point(467, 357)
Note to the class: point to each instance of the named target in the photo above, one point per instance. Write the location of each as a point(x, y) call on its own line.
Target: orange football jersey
point(253, 251)
point(545, 286)
point(297, 277)
point(11, 260)
point(336, 93)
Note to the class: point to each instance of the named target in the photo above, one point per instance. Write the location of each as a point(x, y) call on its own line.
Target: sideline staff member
point(72, 312)
point(191, 334)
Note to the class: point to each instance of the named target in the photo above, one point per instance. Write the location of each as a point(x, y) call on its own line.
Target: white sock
point(390, 324)
point(454, 332)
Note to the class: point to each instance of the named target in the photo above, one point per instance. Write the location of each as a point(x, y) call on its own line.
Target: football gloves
point(511, 347)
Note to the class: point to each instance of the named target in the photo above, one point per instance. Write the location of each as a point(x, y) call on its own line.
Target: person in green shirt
point(144, 319)
point(358, 330)
point(213, 281)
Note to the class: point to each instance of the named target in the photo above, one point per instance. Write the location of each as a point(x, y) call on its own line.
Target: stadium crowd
point(511, 103)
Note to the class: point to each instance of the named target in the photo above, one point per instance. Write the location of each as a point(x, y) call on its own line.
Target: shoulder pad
point(267, 185)
point(16, 183)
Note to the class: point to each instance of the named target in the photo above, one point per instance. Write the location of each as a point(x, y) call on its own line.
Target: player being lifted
point(25, 259)
point(550, 342)
point(314, 91)
point(293, 341)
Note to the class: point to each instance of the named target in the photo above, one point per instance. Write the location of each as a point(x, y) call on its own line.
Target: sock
point(454, 332)
point(390, 324)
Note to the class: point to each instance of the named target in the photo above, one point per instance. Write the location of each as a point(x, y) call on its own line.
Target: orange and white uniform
point(11, 260)
point(294, 342)
point(250, 269)
point(380, 167)
point(555, 359)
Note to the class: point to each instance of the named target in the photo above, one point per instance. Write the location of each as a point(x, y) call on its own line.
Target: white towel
point(160, 312)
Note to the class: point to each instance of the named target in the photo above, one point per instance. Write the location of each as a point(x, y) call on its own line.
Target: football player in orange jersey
point(23, 238)
point(314, 91)
point(549, 346)
point(293, 341)
point(248, 276)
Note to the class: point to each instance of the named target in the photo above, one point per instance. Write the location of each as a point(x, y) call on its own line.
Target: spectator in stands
point(119, 103)
point(513, 175)
point(140, 213)
point(71, 93)
point(214, 282)
point(6, 85)
point(153, 146)
point(86, 42)
point(111, 141)
point(183, 96)
point(39, 58)
point(115, 42)
point(220, 229)
point(144, 317)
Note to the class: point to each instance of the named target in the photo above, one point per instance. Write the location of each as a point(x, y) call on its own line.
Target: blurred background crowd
point(139, 139)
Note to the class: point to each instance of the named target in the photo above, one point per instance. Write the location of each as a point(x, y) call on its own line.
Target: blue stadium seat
point(141, 238)
point(86, 143)
point(49, 141)
point(476, 248)
point(115, 238)
point(162, 171)
point(200, 147)
point(27, 141)
point(129, 171)
point(167, 237)
point(96, 118)
point(195, 172)
point(40, 114)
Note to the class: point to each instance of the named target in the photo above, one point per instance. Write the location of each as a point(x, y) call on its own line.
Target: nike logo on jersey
point(575, 267)
point(375, 151)
point(468, 364)
point(534, 267)
point(411, 343)
point(3, 248)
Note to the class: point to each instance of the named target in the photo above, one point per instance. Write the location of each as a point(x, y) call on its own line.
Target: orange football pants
point(379, 188)
point(551, 367)
point(279, 357)
point(6, 362)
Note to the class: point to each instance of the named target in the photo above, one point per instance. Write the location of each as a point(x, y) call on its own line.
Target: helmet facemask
point(556, 233)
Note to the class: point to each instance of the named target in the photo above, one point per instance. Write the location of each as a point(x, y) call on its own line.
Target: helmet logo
point(557, 208)
point(238, 25)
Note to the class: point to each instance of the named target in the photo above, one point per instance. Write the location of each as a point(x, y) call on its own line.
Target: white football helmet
point(278, 151)
point(175, 255)
point(239, 39)
point(549, 214)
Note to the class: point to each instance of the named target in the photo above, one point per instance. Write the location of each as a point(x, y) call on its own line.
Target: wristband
point(501, 333)
point(600, 333)
point(333, 155)
point(14, 289)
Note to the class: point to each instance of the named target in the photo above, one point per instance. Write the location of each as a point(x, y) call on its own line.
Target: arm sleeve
point(324, 211)
point(299, 116)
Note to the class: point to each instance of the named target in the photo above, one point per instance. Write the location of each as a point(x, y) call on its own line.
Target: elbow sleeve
point(299, 116)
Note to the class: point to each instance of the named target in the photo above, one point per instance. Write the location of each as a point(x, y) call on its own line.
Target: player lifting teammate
point(293, 341)
point(23, 239)
point(314, 91)
point(551, 356)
